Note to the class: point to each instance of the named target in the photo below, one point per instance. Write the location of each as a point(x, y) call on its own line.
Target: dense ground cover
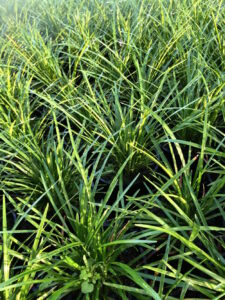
point(112, 140)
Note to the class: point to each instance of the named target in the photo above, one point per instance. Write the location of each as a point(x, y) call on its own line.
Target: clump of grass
point(112, 149)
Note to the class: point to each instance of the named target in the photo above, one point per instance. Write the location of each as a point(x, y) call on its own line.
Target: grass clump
point(112, 143)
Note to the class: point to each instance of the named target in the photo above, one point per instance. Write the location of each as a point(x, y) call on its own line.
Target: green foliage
point(112, 141)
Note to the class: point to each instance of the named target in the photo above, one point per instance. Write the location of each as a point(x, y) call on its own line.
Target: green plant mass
point(112, 149)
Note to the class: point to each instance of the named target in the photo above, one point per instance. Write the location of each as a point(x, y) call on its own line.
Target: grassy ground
point(112, 149)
